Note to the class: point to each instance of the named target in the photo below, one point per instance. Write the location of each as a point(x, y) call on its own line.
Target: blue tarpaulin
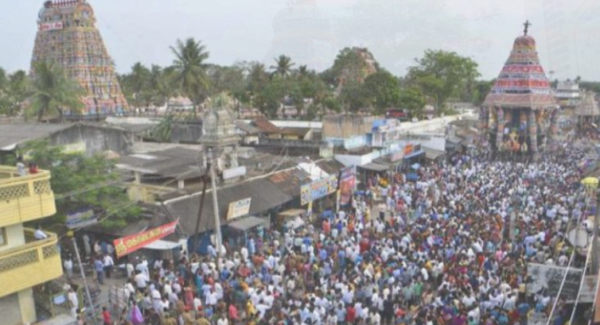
point(415, 166)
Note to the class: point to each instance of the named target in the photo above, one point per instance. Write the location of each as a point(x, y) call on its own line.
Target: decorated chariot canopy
point(522, 82)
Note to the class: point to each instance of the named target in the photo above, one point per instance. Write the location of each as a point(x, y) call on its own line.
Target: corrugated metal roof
point(15, 134)
point(264, 194)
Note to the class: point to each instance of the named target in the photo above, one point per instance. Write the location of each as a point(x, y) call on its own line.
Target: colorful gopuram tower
point(67, 35)
point(520, 112)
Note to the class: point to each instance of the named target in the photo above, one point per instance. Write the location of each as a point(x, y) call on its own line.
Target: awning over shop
point(414, 154)
point(292, 213)
point(375, 167)
point(247, 223)
point(433, 154)
point(162, 245)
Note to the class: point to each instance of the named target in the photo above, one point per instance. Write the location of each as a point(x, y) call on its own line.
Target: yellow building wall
point(14, 237)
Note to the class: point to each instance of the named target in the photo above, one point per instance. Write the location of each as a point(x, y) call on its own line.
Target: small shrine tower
point(219, 135)
point(520, 112)
point(67, 36)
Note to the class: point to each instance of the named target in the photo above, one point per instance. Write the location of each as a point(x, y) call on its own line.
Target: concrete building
point(24, 261)
point(568, 94)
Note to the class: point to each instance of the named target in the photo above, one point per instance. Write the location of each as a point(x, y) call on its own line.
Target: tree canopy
point(443, 75)
point(81, 181)
point(53, 93)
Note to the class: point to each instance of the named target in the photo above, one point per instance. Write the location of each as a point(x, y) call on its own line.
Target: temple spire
point(526, 24)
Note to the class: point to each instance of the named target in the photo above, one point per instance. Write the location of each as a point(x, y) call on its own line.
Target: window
point(3, 240)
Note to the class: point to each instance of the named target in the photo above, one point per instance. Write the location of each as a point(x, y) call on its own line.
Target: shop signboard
point(408, 149)
point(81, 218)
point(57, 25)
point(347, 185)
point(239, 208)
point(318, 189)
point(132, 243)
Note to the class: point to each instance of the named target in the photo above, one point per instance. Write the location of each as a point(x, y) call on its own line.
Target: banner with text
point(347, 185)
point(132, 243)
point(318, 189)
point(239, 208)
point(81, 218)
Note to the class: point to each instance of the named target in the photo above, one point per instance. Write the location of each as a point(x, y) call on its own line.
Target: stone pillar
point(500, 130)
point(532, 125)
point(27, 306)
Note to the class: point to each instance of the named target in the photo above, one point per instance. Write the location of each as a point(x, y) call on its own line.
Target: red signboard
point(57, 25)
point(132, 243)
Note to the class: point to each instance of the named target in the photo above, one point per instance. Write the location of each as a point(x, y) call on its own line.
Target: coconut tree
point(283, 66)
point(53, 92)
point(190, 70)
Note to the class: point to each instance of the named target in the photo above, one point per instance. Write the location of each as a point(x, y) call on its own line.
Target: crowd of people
point(451, 248)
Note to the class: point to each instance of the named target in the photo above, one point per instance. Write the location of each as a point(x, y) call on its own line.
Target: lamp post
point(591, 185)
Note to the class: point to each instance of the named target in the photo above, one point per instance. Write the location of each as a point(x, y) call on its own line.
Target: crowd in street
point(451, 248)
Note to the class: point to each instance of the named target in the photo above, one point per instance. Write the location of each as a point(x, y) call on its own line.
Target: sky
point(312, 32)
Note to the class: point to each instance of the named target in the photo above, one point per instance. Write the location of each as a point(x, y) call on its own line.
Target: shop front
point(320, 196)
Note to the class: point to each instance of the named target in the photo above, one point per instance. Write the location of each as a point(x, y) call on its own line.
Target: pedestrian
point(21, 166)
point(68, 265)
point(99, 268)
point(106, 317)
point(108, 265)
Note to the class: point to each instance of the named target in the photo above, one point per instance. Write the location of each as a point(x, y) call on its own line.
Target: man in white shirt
point(68, 265)
point(108, 265)
point(141, 281)
point(39, 234)
point(73, 302)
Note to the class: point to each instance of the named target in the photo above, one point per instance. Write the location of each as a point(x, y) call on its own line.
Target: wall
point(346, 126)
point(186, 133)
point(9, 309)
point(94, 139)
point(15, 237)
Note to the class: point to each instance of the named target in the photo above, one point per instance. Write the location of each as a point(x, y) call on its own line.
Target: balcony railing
point(26, 266)
point(24, 198)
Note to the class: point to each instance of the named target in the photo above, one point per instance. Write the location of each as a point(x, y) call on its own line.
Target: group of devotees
point(451, 248)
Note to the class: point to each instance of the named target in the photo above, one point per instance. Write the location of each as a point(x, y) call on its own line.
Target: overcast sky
point(313, 31)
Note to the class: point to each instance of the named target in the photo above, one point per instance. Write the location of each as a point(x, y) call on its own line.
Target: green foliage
point(354, 96)
point(268, 100)
point(482, 89)
point(13, 92)
point(592, 86)
point(53, 92)
point(84, 182)
point(443, 75)
point(283, 66)
point(383, 89)
point(333, 104)
point(163, 130)
point(190, 69)
point(413, 100)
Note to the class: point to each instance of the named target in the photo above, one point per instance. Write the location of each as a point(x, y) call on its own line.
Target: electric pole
point(85, 283)
point(213, 180)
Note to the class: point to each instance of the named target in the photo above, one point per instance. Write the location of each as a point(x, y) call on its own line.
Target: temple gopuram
point(67, 36)
point(520, 112)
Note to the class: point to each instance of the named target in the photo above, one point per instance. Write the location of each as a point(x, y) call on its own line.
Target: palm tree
point(303, 71)
point(190, 69)
point(283, 66)
point(138, 80)
point(54, 92)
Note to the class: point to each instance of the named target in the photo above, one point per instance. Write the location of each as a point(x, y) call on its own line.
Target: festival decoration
point(522, 99)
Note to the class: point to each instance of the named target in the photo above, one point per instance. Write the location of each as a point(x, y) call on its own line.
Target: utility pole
point(213, 180)
point(85, 283)
point(204, 184)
